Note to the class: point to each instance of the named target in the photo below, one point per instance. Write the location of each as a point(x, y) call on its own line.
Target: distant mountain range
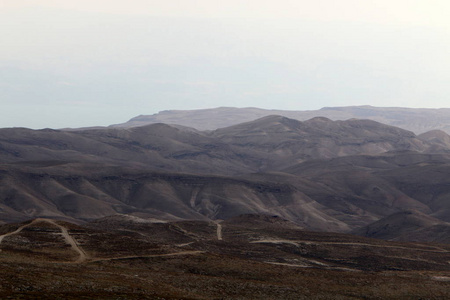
point(418, 120)
point(323, 175)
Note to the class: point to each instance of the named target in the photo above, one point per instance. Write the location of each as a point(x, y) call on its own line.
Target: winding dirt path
point(219, 231)
point(65, 233)
point(179, 229)
point(83, 257)
point(298, 242)
point(70, 240)
point(148, 256)
point(18, 230)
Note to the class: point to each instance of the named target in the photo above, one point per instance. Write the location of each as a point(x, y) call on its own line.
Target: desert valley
point(339, 203)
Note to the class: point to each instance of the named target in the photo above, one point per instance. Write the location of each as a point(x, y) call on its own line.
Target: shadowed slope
point(281, 142)
point(408, 226)
point(100, 172)
point(269, 143)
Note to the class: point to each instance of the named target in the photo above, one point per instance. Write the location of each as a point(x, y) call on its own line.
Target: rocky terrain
point(323, 175)
point(246, 257)
point(273, 208)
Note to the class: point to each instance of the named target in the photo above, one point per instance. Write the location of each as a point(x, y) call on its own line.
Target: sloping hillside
point(417, 120)
point(323, 175)
point(408, 226)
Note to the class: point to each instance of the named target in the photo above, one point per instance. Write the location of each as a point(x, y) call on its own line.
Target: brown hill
point(170, 173)
point(281, 141)
point(156, 146)
point(77, 192)
point(340, 194)
point(265, 144)
point(438, 138)
point(373, 187)
point(408, 226)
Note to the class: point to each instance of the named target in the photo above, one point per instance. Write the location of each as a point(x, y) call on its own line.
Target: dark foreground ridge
point(247, 257)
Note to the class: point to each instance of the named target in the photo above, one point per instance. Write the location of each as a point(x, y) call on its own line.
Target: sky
point(101, 62)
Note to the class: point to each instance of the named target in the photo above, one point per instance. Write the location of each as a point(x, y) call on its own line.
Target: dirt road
point(298, 242)
point(70, 240)
point(65, 233)
point(219, 231)
point(148, 256)
point(17, 230)
point(83, 257)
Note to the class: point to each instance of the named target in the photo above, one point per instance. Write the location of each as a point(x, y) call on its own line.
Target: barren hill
point(256, 210)
point(247, 147)
point(320, 174)
point(287, 140)
point(418, 120)
point(408, 226)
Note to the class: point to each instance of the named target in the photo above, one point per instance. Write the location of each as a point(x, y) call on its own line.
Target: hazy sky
point(82, 63)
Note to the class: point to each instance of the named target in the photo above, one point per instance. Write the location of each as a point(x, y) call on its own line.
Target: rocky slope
point(408, 226)
point(321, 174)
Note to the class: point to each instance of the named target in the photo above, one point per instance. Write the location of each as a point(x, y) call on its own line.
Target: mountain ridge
point(418, 120)
point(324, 175)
